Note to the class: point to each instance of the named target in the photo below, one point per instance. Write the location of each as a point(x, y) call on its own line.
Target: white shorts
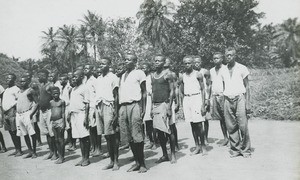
point(92, 119)
point(78, 129)
point(147, 116)
point(45, 123)
point(192, 108)
point(67, 111)
point(24, 124)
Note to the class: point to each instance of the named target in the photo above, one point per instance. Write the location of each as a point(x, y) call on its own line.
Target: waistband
point(129, 103)
point(233, 97)
point(22, 112)
point(192, 94)
point(218, 94)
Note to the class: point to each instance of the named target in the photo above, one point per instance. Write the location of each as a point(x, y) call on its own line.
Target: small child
point(58, 123)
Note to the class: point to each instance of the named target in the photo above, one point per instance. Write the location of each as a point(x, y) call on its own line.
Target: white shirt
point(234, 85)
point(91, 85)
point(217, 80)
point(1, 91)
point(79, 96)
point(10, 97)
point(130, 89)
point(190, 83)
point(65, 94)
point(105, 86)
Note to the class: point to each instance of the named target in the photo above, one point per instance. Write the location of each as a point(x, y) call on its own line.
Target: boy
point(58, 123)
point(132, 99)
point(193, 102)
point(237, 104)
point(162, 100)
point(9, 102)
point(216, 91)
point(79, 113)
point(25, 103)
point(107, 111)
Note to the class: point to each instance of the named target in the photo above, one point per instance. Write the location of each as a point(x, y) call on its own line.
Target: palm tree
point(68, 38)
point(95, 27)
point(84, 40)
point(155, 21)
point(288, 33)
point(49, 46)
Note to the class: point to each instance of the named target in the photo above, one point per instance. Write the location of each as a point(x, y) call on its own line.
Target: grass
point(275, 93)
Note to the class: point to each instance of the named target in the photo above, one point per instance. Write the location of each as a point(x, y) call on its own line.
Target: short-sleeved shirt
point(9, 98)
point(217, 81)
point(234, 85)
point(130, 88)
point(91, 85)
point(1, 91)
point(105, 86)
point(79, 97)
point(23, 103)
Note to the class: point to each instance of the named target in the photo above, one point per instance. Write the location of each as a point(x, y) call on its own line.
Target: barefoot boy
point(162, 99)
point(25, 105)
point(58, 123)
point(79, 112)
point(132, 100)
point(193, 102)
point(107, 111)
point(9, 102)
point(2, 143)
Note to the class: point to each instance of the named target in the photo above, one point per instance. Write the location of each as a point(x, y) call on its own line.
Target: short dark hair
point(188, 56)
point(230, 48)
point(160, 55)
point(44, 71)
point(219, 53)
point(13, 75)
point(107, 58)
point(55, 88)
point(132, 54)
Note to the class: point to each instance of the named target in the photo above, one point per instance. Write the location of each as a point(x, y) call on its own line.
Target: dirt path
point(276, 156)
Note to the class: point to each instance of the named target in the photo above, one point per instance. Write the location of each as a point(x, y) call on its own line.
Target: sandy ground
point(276, 156)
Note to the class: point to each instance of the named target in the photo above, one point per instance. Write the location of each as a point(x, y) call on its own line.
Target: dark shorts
point(217, 111)
point(57, 128)
point(10, 119)
point(131, 123)
point(104, 120)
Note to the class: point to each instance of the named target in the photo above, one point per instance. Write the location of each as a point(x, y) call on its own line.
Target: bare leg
point(33, 138)
point(202, 137)
point(87, 145)
point(174, 129)
point(2, 143)
point(133, 148)
point(115, 140)
point(140, 154)
point(50, 144)
point(110, 151)
point(60, 147)
point(224, 131)
point(28, 143)
point(82, 152)
point(163, 142)
point(172, 145)
point(38, 133)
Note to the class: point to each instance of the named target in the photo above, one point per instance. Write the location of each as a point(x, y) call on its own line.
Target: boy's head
point(105, 63)
point(159, 61)
point(230, 54)
point(88, 70)
point(52, 77)
point(197, 63)
point(11, 79)
point(188, 63)
point(146, 68)
point(130, 60)
point(218, 58)
point(24, 82)
point(43, 75)
point(77, 78)
point(120, 69)
point(55, 92)
point(64, 79)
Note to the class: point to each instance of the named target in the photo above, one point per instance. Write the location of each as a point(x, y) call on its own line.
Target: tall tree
point(49, 46)
point(84, 40)
point(288, 36)
point(68, 37)
point(155, 22)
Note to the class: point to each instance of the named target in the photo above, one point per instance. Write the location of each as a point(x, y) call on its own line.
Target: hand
point(203, 111)
point(169, 112)
point(31, 116)
point(86, 123)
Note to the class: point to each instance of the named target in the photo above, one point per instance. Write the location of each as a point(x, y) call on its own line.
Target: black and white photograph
point(149, 89)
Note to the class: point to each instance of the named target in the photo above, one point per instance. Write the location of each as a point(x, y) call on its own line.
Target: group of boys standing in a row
point(115, 105)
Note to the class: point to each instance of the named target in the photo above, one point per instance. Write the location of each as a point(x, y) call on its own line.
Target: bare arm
point(116, 104)
point(63, 109)
point(200, 80)
point(86, 119)
point(247, 95)
point(144, 98)
point(171, 96)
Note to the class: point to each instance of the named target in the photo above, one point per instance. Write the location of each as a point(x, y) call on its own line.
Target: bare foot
point(54, 157)
point(59, 161)
point(135, 167)
point(162, 159)
point(177, 148)
point(173, 159)
point(96, 153)
point(19, 153)
point(28, 156)
point(247, 155)
point(79, 163)
point(224, 143)
point(196, 151)
point(204, 151)
point(116, 167)
point(124, 147)
point(49, 156)
point(13, 154)
point(85, 162)
point(111, 165)
point(34, 155)
point(233, 155)
point(142, 169)
point(3, 150)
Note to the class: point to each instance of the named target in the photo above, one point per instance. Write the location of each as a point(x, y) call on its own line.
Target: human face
point(104, 65)
point(77, 78)
point(197, 64)
point(55, 94)
point(145, 68)
point(51, 77)
point(63, 80)
point(120, 70)
point(70, 75)
point(28, 75)
point(10, 80)
point(188, 64)
point(159, 62)
point(230, 56)
point(87, 70)
point(24, 82)
point(42, 77)
point(129, 61)
point(217, 58)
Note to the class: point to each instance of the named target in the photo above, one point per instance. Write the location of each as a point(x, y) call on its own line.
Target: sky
point(22, 21)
